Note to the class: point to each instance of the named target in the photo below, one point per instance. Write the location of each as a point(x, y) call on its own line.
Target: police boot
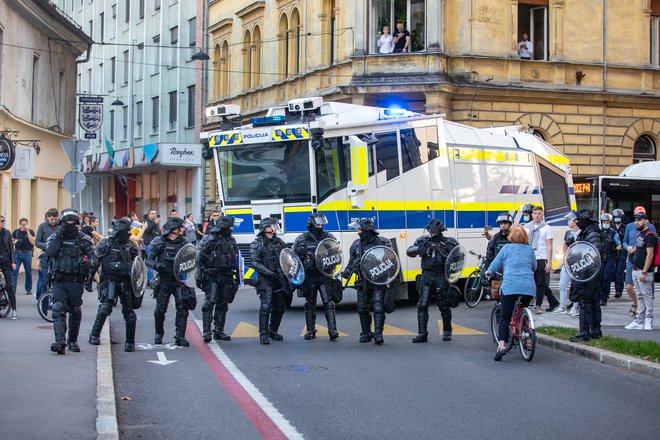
point(219, 330)
point(263, 329)
point(379, 323)
point(59, 346)
point(332, 320)
point(95, 333)
point(159, 322)
point(275, 320)
point(180, 336)
point(422, 321)
point(446, 324)
point(206, 325)
point(129, 346)
point(584, 332)
point(74, 329)
point(365, 323)
point(310, 320)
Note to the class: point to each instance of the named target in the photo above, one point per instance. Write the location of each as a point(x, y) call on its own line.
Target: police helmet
point(606, 217)
point(266, 222)
point(172, 224)
point(435, 226)
point(225, 222)
point(365, 224)
point(504, 217)
point(317, 219)
point(69, 214)
point(586, 215)
point(618, 213)
point(120, 225)
point(571, 216)
point(527, 207)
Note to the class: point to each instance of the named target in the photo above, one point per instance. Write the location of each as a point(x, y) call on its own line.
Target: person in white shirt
point(385, 41)
point(525, 49)
point(540, 237)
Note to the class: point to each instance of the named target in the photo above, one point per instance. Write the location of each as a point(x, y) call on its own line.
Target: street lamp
point(118, 102)
point(200, 56)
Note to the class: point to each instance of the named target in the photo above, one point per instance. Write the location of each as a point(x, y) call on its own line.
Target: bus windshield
point(273, 170)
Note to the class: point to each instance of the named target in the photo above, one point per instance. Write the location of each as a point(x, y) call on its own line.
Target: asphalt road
point(346, 390)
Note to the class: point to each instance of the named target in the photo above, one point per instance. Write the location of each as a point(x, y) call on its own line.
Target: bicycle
point(521, 328)
point(474, 287)
point(5, 306)
point(45, 306)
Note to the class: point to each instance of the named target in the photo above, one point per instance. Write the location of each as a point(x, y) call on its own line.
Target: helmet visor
point(354, 225)
point(320, 220)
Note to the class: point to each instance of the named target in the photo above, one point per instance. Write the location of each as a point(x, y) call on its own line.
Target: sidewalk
point(46, 395)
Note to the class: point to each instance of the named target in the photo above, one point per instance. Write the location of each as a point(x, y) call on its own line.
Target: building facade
point(590, 87)
point(38, 51)
point(145, 153)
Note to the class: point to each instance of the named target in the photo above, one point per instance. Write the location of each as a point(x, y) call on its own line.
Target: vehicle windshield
point(273, 170)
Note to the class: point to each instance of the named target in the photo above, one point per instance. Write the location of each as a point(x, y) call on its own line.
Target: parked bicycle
point(5, 306)
point(521, 329)
point(474, 285)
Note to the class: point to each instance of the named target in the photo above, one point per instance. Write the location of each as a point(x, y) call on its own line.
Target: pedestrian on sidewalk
point(7, 264)
point(612, 245)
point(540, 237)
point(622, 255)
point(45, 230)
point(630, 244)
point(24, 240)
point(647, 241)
point(564, 280)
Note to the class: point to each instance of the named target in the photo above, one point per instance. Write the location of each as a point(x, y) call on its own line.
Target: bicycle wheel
point(473, 290)
point(5, 307)
point(494, 320)
point(45, 307)
point(527, 340)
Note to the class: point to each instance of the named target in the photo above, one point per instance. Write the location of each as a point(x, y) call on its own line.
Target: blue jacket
point(630, 237)
point(517, 263)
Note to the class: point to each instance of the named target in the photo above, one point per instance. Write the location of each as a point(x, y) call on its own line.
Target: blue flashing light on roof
point(394, 111)
point(268, 120)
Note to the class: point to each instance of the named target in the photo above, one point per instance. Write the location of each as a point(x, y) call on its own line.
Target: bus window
point(387, 156)
point(332, 167)
point(555, 191)
point(418, 146)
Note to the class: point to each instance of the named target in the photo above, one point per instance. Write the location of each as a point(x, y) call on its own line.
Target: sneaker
point(575, 313)
point(635, 326)
point(537, 310)
point(552, 308)
point(560, 310)
point(648, 324)
point(14, 315)
point(618, 294)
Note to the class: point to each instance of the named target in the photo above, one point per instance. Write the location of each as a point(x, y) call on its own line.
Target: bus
point(396, 167)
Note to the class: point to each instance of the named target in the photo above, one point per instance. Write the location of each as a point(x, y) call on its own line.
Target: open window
point(533, 21)
point(387, 12)
point(554, 190)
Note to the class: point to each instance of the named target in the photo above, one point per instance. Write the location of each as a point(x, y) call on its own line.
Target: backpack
point(656, 251)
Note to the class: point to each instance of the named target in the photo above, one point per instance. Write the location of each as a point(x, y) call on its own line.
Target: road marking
point(147, 346)
point(245, 330)
point(162, 360)
point(460, 330)
point(390, 330)
point(261, 412)
point(321, 331)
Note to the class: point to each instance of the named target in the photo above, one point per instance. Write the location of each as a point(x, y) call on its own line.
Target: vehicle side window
point(332, 167)
point(387, 155)
point(418, 146)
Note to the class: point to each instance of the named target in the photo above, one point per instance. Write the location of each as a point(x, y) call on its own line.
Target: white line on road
point(162, 360)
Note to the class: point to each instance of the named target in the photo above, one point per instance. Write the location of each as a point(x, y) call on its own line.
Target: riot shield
point(455, 263)
point(241, 269)
point(292, 267)
point(582, 262)
point(185, 265)
point(138, 276)
point(328, 257)
point(380, 265)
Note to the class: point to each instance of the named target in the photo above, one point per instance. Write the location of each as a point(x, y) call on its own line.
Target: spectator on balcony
point(525, 48)
point(401, 39)
point(385, 41)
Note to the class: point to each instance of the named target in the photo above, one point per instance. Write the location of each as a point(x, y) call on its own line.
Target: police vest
point(434, 259)
point(118, 262)
point(223, 256)
point(70, 259)
point(170, 249)
point(609, 247)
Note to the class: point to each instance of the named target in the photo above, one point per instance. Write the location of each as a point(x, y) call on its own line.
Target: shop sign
point(181, 154)
point(7, 153)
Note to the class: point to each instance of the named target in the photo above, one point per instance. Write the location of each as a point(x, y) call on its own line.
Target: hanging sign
point(7, 153)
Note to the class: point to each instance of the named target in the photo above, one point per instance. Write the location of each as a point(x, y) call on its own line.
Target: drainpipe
point(604, 77)
point(88, 54)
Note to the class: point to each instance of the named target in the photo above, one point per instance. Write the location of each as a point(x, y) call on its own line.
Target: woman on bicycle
point(517, 262)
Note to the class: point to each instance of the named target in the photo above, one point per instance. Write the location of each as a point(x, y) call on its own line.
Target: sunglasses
point(2, 220)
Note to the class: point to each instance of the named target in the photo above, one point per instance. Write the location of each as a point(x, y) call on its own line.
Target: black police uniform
point(588, 294)
point(370, 297)
point(610, 256)
point(272, 286)
point(621, 259)
point(116, 255)
point(217, 275)
point(71, 255)
point(434, 250)
point(162, 252)
point(305, 246)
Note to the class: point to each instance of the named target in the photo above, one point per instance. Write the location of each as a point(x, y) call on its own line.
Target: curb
point(106, 419)
point(606, 357)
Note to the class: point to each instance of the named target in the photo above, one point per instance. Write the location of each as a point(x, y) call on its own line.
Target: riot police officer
point(499, 240)
point(526, 210)
point(272, 286)
point(116, 254)
point(434, 249)
point(71, 255)
point(588, 294)
point(611, 247)
point(162, 251)
point(369, 296)
point(217, 274)
point(305, 246)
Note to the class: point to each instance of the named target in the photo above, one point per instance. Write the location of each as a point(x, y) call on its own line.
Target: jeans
point(644, 290)
point(542, 280)
point(564, 284)
point(24, 258)
point(609, 268)
point(620, 271)
point(150, 272)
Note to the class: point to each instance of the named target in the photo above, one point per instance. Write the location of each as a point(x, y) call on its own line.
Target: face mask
point(605, 227)
point(122, 236)
point(526, 218)
point(617, 220)
point(225, 232)
point(70, 228)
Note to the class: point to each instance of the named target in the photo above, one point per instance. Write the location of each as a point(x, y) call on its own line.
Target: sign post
point(74, 180)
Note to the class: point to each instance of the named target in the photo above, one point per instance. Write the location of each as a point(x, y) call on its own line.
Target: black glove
point(161, 267)
point(59, 231)
point(88, 286)
point(346, 274)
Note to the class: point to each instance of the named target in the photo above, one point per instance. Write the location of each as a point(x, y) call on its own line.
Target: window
point(387, 157)
point(89, 80)
point(156, 5)
point(173, 109)
point(191, 106)
point(2, 45)
point(141, 9)
point(644, 149)
point(156, 55)
point(329, 27)
point(655, 41)
point(294, 43)
point(256, 57)
point(90, 29)
point(124, 114)
point(388, 12)
point(192, 31)
point(554, 190)
point(418, 146)
point(174, 39)
point(127, 16)
point(113, 23)
point(35, 88)
point(62, 99)
point(112, 125)
point(138, 118)
point(533, 21)
point(113, 67)
point(113, 8)
point(101, 26)
point(139, 66)
point(332, 167)
point(155, 114)
point(247, 61)
point(283, 36)
point(125, 67)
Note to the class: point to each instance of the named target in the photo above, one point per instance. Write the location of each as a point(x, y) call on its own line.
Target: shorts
point(629, 270)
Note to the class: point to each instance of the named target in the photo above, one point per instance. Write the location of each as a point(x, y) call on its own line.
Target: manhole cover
point(300, 368)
